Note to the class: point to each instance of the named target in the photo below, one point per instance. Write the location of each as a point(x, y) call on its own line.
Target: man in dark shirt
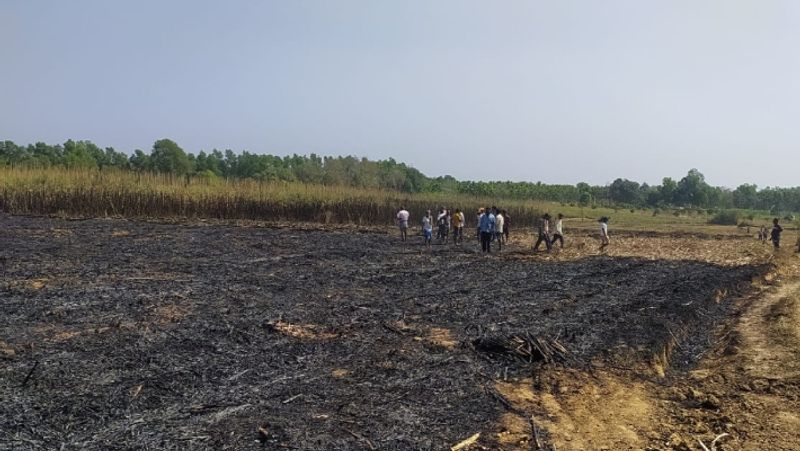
point(543, 226)
point(775, 236)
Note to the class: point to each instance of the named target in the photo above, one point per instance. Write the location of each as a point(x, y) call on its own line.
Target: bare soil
point(122, 334)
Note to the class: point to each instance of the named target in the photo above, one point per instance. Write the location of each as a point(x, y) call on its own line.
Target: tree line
point(166, 156)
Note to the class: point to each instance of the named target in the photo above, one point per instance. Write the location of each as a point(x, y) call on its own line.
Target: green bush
point(725, 217)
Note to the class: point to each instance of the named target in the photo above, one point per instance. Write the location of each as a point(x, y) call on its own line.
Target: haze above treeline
point(166, 156)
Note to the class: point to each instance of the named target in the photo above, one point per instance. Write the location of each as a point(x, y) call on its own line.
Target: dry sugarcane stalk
point(464, 443)
point(714, 442)
point(535, 432)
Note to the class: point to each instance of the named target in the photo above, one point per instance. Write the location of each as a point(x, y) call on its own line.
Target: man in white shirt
point(498, 228)
point(402, 222)
point(427, 228)
point(481, 212)
point(603, 233)
point(559, 235)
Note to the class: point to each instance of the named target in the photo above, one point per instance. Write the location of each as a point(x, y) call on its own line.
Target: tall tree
point(168, 157)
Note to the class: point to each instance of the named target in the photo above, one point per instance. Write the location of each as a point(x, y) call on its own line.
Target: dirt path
point(770, 334)
point(749, 388)
point(761, 394)
point(745, 393)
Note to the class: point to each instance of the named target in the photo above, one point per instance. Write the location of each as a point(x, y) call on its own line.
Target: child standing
point(762, 234)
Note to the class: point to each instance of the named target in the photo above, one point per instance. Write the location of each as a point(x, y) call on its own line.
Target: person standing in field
point(543, 226)
point(506, 225)
point(458, 227)
point(498, 228)
point(463, 221)
point(481, 212)
point(448, 218)
point(559, 233)
point(604, 241)
point(486, 227)
point(442, 224)
point(427, 228)
point(402, 222)
point(775, 236)
point(762, 234)
point(438, 226)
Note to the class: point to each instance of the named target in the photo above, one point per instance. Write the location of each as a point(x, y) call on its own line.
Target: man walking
point(559, 234)
point(543, 226)
point(604, 241)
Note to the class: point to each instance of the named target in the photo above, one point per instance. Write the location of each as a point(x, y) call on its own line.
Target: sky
point(554, 91)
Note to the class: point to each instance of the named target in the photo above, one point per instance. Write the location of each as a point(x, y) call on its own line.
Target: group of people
point(445, 223)
point(493, 226)
point(773, 235)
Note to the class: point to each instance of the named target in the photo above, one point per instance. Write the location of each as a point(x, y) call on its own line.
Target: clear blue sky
point(558, 91)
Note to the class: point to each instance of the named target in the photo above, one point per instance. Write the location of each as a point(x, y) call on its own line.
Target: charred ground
point(119, 334)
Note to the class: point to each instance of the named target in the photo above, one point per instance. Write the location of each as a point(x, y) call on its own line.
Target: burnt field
point(132, 335)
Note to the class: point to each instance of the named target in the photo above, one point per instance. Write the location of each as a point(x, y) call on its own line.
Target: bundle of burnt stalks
point(523, 346)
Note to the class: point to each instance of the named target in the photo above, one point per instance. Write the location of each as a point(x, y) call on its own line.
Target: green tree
point(79, 154)
point(139, 161)
point(668, 190)
point(168, 157)
point(625, 191)
point(745, 196)
point(692, 189)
